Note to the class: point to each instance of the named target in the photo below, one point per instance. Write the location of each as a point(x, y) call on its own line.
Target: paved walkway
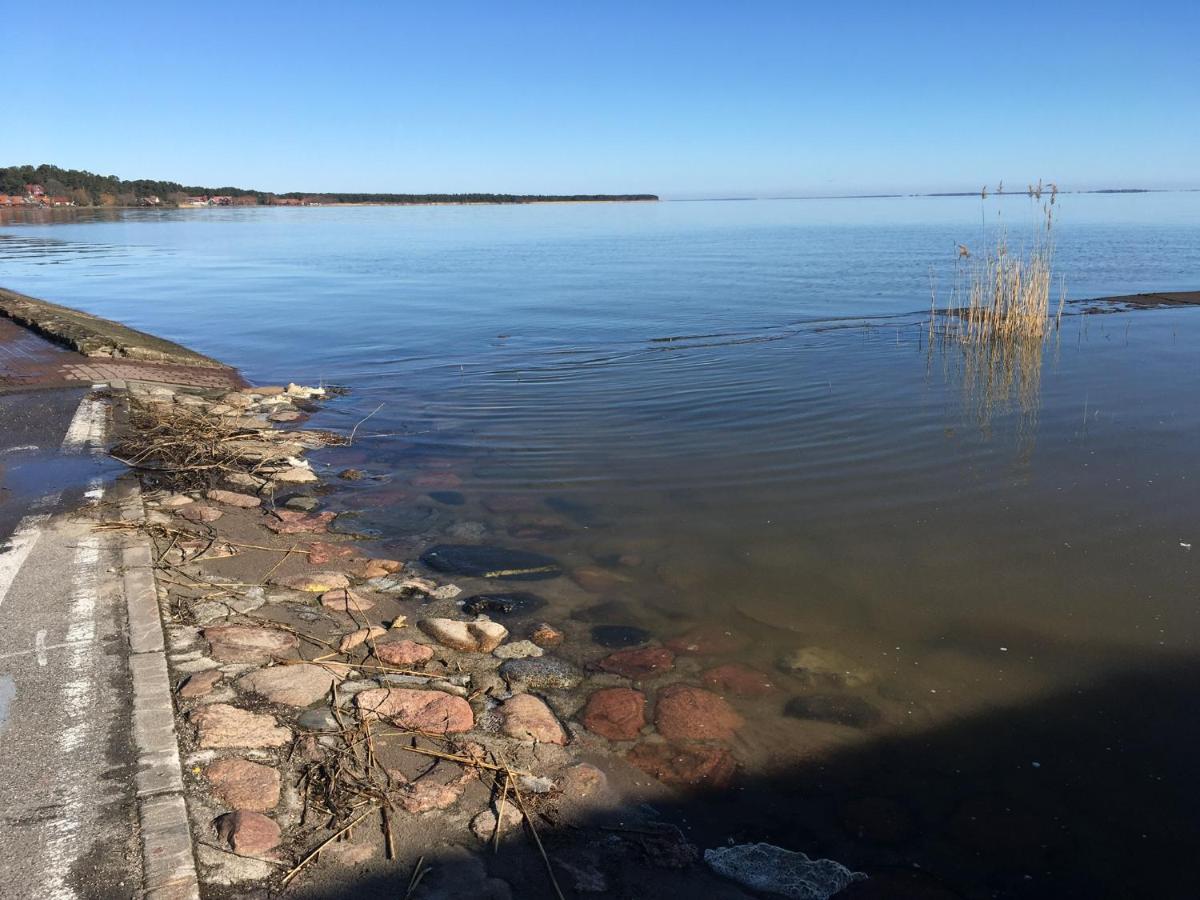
point(68, 823)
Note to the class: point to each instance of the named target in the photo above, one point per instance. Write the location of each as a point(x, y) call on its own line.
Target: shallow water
point(731, 409)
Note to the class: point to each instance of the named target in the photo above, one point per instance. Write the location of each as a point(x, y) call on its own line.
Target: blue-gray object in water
point(765, 867)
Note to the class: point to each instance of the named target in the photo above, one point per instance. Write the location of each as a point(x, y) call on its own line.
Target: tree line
point(89, 189)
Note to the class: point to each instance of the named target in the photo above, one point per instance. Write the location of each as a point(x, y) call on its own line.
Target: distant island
point(51, 186)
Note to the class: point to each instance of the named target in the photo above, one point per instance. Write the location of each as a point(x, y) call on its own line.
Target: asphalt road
point(67, 812)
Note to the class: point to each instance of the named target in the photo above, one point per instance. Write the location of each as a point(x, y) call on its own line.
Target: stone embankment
point(340, 710)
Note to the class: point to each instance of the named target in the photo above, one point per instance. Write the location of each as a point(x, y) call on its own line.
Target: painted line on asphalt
point(40, 649)
point(86, 430)
point(26, 535)
point(75, 701)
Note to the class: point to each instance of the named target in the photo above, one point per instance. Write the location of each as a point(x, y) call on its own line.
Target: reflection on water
point(998, 378)
point(724, 420)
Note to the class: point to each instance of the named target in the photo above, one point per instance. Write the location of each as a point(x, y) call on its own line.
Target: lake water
point(728, 414)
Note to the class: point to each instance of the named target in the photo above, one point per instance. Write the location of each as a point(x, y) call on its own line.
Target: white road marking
point(39, 645)
point(87, 427)
point(76, 703)
point(35, 649)
point(24, 448)
point(29, 529)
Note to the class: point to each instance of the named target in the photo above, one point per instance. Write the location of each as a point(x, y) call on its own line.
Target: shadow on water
point(1085, 793)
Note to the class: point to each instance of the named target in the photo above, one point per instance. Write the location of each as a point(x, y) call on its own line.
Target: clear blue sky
point(685, 99)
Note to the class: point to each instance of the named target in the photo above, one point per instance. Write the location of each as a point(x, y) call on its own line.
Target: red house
point(35, 190)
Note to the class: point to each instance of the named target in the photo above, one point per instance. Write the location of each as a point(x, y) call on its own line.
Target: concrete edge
point(168, 856)
point(94, 336)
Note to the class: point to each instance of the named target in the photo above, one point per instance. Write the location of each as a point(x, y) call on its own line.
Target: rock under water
point(490, 562)
point(765, 867)
point(507, 604)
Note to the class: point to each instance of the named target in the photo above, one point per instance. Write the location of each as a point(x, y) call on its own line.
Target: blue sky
point(683, 99)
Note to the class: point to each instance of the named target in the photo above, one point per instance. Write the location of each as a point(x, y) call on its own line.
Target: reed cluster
point(993, 329)
point(1004, 295)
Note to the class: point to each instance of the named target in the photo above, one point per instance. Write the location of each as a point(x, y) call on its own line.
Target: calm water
point(732, 409)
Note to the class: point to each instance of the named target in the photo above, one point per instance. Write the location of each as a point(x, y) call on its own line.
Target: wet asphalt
point(67, 812)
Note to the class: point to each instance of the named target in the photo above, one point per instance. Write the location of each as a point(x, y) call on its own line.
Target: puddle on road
point(28, 472)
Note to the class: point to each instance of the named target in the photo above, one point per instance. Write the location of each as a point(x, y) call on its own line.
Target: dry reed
point(999, 316)
point(1007, 293)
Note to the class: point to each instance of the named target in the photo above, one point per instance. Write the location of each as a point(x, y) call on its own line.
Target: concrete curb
point(168, 859)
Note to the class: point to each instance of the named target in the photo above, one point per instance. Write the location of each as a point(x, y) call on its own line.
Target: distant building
point(220, 201)
point(194, 201)
point(60, 201)
point(152, 200)
point(5, 200)
point(34, 190)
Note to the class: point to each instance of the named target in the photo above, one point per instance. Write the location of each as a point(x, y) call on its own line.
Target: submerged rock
point(376, 522)
point(736, 678)
point(620, 635)
point(821, 666)
point(839, 709)
point(544, 673)
point(449, 498)
point(765, 867)
point(508, 603)
point(684, 712)
point(618, 714)
point(490, 562)
point(692, 765)
point(546, 635)
point(638, 663)
point(708, 641)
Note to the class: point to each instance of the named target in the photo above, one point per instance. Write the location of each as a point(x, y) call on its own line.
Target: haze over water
point(733, 407)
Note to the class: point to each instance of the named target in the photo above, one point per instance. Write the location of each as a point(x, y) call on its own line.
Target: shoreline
point(292, 642)
point(289, 643)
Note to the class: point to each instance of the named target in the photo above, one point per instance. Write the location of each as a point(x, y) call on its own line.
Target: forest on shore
point(84, 188)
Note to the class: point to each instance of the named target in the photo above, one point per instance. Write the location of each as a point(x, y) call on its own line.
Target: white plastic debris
point(765, 867)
